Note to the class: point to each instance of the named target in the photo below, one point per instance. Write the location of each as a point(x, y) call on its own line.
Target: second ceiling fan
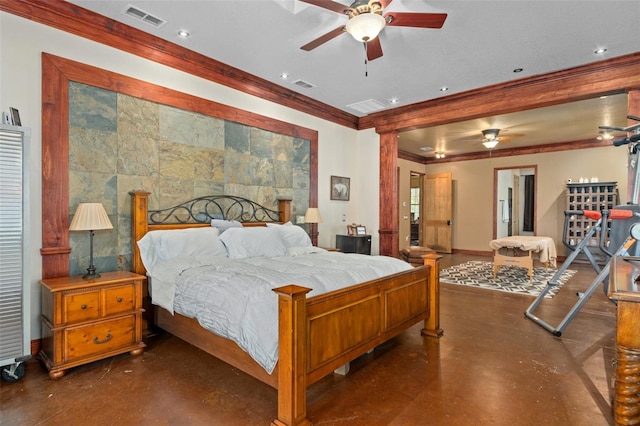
point(367, 19)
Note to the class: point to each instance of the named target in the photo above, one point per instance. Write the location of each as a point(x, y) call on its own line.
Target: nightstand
point(88, 320)
point(354, 243)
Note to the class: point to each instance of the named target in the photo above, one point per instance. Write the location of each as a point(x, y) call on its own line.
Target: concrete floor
point(492, 367)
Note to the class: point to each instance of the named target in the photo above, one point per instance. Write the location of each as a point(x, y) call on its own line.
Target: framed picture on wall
point(340, 188)
point(15, 117)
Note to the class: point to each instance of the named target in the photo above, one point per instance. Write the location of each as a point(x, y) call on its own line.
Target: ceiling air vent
point(143, 16)
point(303, 84)
point(368, 106)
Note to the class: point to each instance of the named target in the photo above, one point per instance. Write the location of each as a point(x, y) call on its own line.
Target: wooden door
point(436, 214)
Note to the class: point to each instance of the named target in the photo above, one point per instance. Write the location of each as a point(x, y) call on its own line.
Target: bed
point(316, 334)
point(518, 251)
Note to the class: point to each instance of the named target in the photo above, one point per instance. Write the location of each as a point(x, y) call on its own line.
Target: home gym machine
point(615, 230)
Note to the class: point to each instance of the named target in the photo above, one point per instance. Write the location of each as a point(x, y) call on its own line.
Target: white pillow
point(157, 246)
point(222, 225)
point(254, 241)
point(292, 236)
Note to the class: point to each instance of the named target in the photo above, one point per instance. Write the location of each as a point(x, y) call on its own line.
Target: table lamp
point(313, 217)
point(90, 217)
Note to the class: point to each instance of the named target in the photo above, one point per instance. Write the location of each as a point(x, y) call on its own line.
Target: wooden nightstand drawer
point(119, 299)
point(99, 337)
point(79, 307)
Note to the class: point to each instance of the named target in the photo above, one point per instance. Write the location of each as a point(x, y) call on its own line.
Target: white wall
point(342, 151)
point(472, 225)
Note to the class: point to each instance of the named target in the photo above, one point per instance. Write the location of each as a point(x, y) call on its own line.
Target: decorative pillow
point(222, 225)
point(254, 241)
point(292, 236)
point(157, 246)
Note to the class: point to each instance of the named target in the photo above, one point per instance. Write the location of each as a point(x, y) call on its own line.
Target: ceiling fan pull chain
point(366, 62)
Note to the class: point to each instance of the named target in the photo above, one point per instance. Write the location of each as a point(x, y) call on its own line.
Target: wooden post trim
point(292, 356)
point(432, 324)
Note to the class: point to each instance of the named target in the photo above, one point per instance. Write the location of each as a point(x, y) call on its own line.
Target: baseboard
point(36, 345)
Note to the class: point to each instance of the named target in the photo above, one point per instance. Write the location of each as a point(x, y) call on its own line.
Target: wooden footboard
point(319, 334)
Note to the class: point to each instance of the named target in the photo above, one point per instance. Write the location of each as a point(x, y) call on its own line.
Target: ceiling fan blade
point(330, 5)
point(324, 38)
point(417, 20)
point(374, 49)
point(385, 3)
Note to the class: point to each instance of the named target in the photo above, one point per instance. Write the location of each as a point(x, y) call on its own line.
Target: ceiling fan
point(490, 138)
point(366, 20)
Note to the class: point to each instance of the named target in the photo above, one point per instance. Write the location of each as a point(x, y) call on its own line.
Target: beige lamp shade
point(90, 217)
point(312, 215)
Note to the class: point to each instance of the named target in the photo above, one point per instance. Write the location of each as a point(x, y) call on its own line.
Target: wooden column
point(55, 172)
point(626, 402)
point(389, 197)
point(623, 289)
point(432, 324)
point(292, 352)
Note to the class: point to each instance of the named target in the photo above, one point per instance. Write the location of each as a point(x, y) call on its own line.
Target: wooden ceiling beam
point(608, 77)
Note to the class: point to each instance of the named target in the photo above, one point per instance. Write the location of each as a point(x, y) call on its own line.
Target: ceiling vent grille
point(303, 84)
point(368, 106)
point(143, 16)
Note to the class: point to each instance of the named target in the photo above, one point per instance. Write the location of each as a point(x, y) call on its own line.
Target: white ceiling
point(480, 44)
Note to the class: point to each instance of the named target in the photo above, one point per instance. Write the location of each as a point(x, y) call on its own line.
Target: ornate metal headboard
point(204, 209)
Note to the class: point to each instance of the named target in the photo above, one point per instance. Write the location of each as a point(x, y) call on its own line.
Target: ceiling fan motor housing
point(363, 6)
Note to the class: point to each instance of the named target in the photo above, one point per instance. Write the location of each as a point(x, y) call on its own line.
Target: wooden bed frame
point(319, 334)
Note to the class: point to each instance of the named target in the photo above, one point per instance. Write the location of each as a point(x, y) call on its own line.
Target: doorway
point(415, 208)
point(514, 195)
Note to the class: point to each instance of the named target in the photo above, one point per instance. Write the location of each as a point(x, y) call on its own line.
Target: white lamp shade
point(366, 26)
point(490, 144)
point(312, 215)
point(90, 217)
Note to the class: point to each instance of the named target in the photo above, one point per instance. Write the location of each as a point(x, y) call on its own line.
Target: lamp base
point(91, 273)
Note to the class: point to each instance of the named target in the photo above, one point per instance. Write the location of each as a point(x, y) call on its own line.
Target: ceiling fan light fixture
point(491, 135)
point(490, 144)
point(365, 26)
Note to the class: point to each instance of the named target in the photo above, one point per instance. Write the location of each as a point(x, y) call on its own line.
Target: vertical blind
point(11, 244)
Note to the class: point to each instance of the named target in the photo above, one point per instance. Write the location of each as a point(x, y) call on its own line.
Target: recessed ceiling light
point(444, 88)
point(600, 51)
point(426, 148)
point(394, 100)
point(518, 70)
point(183, 33)
point(284, 75)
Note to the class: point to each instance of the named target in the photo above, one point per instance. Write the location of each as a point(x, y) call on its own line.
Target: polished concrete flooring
point(492, 367)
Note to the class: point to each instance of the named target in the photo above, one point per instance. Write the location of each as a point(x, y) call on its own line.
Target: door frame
point(496, 213)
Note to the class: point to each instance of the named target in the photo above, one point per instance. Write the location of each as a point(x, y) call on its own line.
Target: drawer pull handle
point(83, 307)
point(99, 342)
point(119, 299)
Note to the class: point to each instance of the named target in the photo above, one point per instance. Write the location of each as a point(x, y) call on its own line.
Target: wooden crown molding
point(507, 152)
point(76, 20)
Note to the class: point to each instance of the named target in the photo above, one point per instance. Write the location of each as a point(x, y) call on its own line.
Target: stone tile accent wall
point(118, 143)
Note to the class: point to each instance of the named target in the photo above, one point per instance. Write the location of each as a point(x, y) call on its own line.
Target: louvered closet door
point(12, 244)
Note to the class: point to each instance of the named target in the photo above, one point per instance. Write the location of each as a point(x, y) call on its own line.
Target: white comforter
point(234, 298)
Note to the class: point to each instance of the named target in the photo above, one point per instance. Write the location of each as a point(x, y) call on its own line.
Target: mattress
point(234, 298)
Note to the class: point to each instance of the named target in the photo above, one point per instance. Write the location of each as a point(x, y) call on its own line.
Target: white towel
point(505, 211)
